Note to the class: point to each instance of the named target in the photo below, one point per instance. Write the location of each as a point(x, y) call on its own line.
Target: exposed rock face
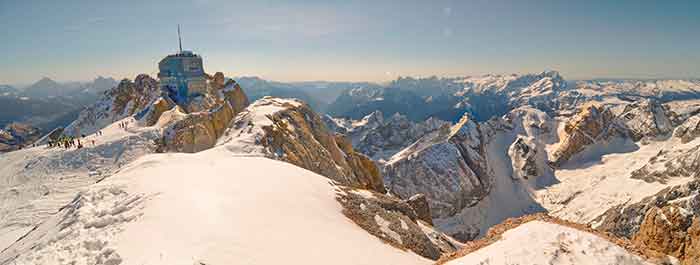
point(126, 99)
point(591, 125)
point(666, 222)
point(381, 138)
point(16, 136)
point(217, 81)
point(233, 93)
point(625, 220)
point(688, 130)
point(206, 118)
point(290, 131)
point(446, 165)
point(533, 130)
point(156, 109)
point(198, 131)
point(395, 221)
point(664, 230)
point(692, 244)
point(646, 118)
point(524, 158)
point(419, 203)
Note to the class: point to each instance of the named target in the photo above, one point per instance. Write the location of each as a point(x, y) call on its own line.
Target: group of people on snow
point(124, 125)
point(67, 142)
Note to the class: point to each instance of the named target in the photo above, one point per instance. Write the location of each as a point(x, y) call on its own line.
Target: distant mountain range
point(318, 94)
point(47, 104)
point(488, 96)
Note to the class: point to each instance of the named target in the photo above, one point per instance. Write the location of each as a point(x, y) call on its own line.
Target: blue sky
point(352, 40)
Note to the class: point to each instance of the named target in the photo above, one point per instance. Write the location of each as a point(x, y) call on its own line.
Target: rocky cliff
point(447, 165)
point(288, 130)
point(405, 224)
point(593, 124)
point(666, 223)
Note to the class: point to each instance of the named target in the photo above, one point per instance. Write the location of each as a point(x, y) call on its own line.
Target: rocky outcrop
point(692, 244)
point(592, 124)
point(446, 165)
point(646, 118)
point(233, 93)
point(524, 159)
point(288, 130)
point(217, 80)
point(688, 130)
point(126, 99)
point(198, 131)
point(625, 220)
point(397, 222)
point(419, 203)
point(664, 230)
point(666, 222)
point(202, 121)
point(157, 109)
point(17, 136)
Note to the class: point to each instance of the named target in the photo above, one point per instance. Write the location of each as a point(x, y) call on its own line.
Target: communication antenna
point(179, 39)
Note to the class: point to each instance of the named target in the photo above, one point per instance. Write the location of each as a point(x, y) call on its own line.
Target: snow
point(507, 197)
point(588, 187)
point(244, 136)
point(36, 182)
point(206, 208)
point(539, 242)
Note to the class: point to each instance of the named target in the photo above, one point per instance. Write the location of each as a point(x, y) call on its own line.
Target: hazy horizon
point(292, 41)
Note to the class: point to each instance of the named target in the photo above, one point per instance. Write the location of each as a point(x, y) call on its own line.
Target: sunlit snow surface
point(36, 182)
point(537, 242)
point(210, 207)
point(594, 184)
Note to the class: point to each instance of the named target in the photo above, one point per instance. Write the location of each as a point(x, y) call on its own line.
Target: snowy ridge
point(208, 208)
point(549, 243)
point(245, 135)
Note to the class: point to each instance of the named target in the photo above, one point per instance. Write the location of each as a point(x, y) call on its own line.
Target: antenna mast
point(179, 39)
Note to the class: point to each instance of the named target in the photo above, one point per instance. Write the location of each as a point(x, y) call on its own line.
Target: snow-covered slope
point(205, 208)
point(538, 242)
point(36, 182)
